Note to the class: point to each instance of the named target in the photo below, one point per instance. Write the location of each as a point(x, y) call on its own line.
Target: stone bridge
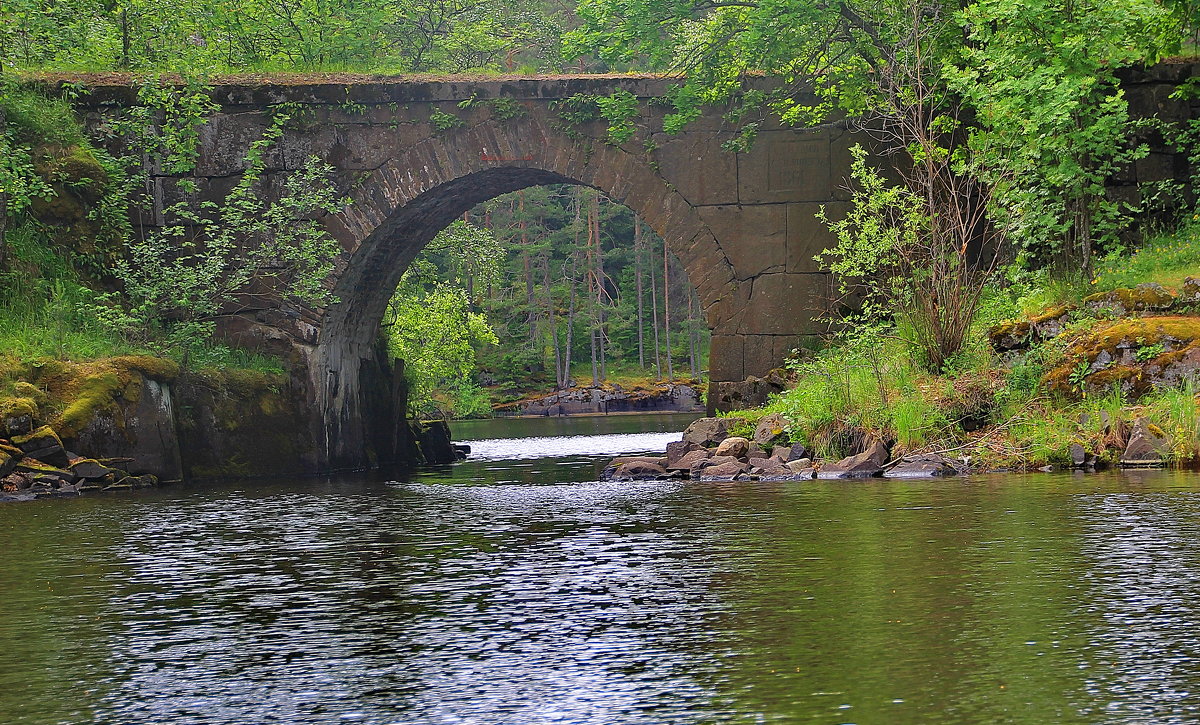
point(414, 154)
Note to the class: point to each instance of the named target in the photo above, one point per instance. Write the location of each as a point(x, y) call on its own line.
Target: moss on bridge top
point(335, 88)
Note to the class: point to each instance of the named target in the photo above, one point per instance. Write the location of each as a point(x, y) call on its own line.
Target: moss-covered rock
point(1020, 334)
point(1150, 296)
point(1136, 354)
point(242, 424)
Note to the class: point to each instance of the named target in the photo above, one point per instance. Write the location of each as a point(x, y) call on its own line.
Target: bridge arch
point(400, 206)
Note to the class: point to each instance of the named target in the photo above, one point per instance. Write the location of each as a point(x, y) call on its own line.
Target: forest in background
point(543, 289)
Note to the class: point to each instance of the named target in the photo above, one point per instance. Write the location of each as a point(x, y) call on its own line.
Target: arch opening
point(354, 372)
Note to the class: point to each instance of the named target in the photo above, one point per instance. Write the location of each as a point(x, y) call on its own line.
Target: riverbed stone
point(770, 429)
point(723, 471)
point(678, 449)
point(689, 461)
point(699, 467)
point(89, 469)
point(799, 464)
point(863, 465)
point(616, 467)
point(1147, 446)
point(1079, 455)
point(709, 432)
point(43, 437)
point(735, 446)
point(922, 466)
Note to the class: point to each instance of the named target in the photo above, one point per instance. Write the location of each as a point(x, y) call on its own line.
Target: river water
point(515, 589)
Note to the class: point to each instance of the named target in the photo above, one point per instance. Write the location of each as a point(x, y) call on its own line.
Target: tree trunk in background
point(470, 276)
point(654, 322)
point(593, 295)
point(692, 334)
point(558, 383)
point(667, 313)
point(566, 369)
point(595, 219)
point(530, 306)
point(637, 275)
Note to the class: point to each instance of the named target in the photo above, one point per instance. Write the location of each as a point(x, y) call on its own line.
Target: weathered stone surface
point(1079, 455)
point(735, 446)
point(722, 471)
point(1148, 445)
point(622, 467)
point(40, 439)
point(699, 467)
point(800, 464)
point(1189, 292)
point(689, 460)
point(769, 467)
point(922, 466)
point(678, 449)
point(7, 464)
point(709, 432)
point(89, 469)
point(864, 465)
point(749, 393)
point(1149, 296)
point(770, 429)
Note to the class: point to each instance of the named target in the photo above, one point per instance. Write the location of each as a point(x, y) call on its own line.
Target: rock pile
point(34, 464)
point(708, 453)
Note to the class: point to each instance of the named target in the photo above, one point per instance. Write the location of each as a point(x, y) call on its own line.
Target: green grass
point(47, 312)
point(1166, 259)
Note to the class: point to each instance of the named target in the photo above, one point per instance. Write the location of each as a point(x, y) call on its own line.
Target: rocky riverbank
point(35, 464)
point(707, 452)
point(611, 398)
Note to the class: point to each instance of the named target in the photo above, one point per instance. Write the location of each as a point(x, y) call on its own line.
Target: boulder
point(770, 429)
point(1079, 455)
point(709, 432)
point(89, 469)
point(1147, 446)
point(8, 463)
point(678, 449)
point(768, 467)
point(1148, 296)
point(800, 464)
point(689, 461)
point(699, 467)
point(796, 452)
point(623, 466)
point(37, 440)
point(1189, 293)
point(723, 471)
point(864, 465)
point(735, 446)
point(922, 466)
point(16, 416)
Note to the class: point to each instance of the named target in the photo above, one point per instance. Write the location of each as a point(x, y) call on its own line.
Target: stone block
point(785, 166)
point(725, 358)
point(808, 236)
point(754, 237)
point(786, 304)
point(694, 164)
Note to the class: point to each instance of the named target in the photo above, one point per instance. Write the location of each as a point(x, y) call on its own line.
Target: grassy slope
point(999, 412)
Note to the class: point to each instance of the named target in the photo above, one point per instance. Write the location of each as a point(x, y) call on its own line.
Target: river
point(515, 589)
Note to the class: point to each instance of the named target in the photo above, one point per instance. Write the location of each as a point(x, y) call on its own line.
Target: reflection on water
point(522, 591)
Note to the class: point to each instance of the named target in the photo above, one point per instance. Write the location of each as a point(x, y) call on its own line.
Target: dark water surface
point(518, 590)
